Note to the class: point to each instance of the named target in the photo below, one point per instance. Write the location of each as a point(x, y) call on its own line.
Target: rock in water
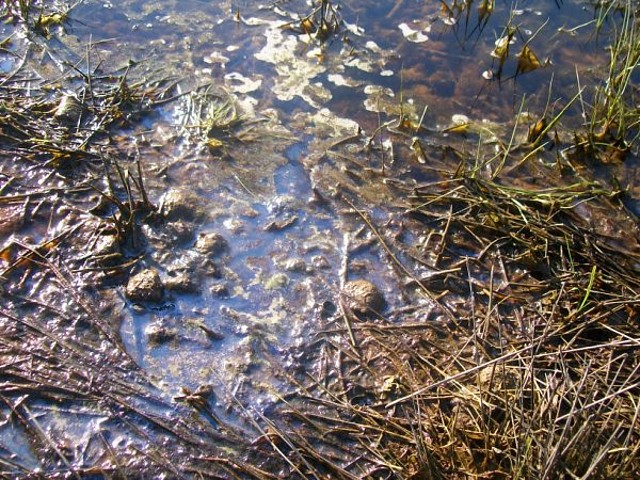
point(145, 286)
point(211, 244)
point(362, 296)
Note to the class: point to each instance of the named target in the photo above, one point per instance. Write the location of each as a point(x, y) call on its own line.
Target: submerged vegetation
point(509, 344)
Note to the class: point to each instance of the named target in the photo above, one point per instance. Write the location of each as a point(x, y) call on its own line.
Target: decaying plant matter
point(535, 373)
point(515, 353)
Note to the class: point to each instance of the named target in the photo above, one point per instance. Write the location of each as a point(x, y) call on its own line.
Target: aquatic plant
point(37, 16)
point(519, 362)
point(212, 114)
point(614, 117)
point(321, 23)
point(16, 10)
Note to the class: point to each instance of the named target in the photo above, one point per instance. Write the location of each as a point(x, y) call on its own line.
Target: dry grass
point(536, 376)
point(516, 355)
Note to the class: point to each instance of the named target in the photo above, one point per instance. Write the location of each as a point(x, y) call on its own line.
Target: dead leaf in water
point(527, 60)
point(485, 9)
point(307, 26)
point(536, 130)
point(501, 50)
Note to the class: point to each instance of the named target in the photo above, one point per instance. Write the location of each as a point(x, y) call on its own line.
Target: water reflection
point(442, 68)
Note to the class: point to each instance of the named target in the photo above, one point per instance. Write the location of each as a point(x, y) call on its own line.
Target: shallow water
point(271, 189)
point(442, 67)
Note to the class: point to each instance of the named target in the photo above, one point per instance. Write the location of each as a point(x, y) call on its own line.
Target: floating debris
point(341, 81)
point(276, 282)
point(415, 36)
point(294, 74)
point(216, 57)
point(527, 60)
point(238, 83)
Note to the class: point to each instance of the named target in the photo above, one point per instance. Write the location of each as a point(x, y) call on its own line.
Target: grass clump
point(535, 375)
point(212, 118)
point(614, 119)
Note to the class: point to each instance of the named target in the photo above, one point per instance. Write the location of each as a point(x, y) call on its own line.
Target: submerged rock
point(159, 334)
point(211, 244)
point(107, 243)
point(182, 205)
point(209, 268)
point(219, 290)
point(182, 283)
point(320, 262)
point(296, 265)
point(145, 286)
point(362, 296)
point(180, 232)
point(69, 110)
point(106, 250)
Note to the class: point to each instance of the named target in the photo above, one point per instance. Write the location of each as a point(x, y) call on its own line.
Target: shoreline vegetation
point(516, 356)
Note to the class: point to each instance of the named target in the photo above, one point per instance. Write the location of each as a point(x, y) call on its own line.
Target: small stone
point(295, 265)
point(183, 205)
point(209, 268)
point(320, 262)
point(182, 283)
point(278, 225)
point(180, 232)
point(144, 286)
point(211, 244)
point(284, 204)
point(107, 244)
point(210, 333)
point(159, 334)
point(234, 225)
point(106, 251)
point(362, 296)
point(219, 290)
point(69, 110)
